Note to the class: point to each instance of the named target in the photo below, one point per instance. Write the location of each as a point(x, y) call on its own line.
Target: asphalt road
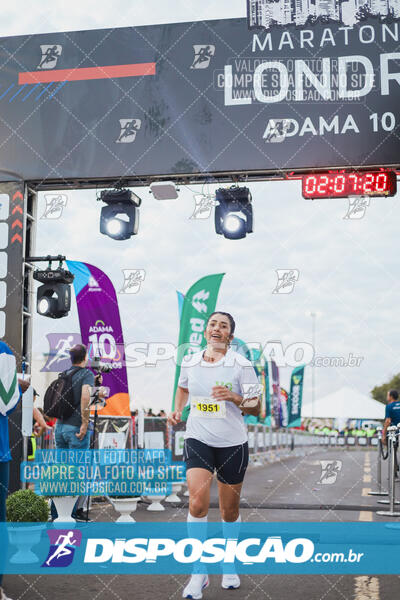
point(299, 488)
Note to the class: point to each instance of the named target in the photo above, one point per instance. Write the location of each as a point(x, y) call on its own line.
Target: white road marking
point(365, 515)
point(366, 588)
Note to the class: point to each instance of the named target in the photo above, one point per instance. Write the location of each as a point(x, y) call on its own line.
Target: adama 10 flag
point(101, 331)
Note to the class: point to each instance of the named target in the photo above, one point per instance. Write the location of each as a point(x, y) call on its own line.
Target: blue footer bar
point(157, 548)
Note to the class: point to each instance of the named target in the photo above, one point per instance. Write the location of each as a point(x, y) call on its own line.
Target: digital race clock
point(355, 183)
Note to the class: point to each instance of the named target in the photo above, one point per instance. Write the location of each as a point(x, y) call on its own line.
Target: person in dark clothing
point(13, 390)
point(72, 432)
point(392, 412)
point(392, 417)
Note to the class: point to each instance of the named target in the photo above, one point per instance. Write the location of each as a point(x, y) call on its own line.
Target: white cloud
point(25, 17)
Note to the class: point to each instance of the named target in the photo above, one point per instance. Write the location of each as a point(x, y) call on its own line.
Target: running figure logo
point(59, 346)
point(276, 130)
point(286, 281)
point(204, 204)
point(251, 393)
point(329, 471)
point(129, 128)
point(132, 280)
point(50, 55)
point(55, 204)
point(202, 56)
point(357, 207)
point(63, 543)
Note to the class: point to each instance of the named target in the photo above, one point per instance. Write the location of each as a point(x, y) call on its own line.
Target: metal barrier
point(349, 441)
point(154, 432)
point(111, 432)
point(393, 434)
point(379, 457)
point(46, 441)
point(265, 445)
point(262, 439)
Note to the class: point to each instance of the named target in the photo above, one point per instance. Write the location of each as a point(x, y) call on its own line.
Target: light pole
point(313, 315)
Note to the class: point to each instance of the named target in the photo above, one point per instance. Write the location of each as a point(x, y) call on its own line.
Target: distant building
point(266, 10)
point(312, 8)
point(252, 13)
point(301, 11)
point(394, 7)
point(284, 12)
point(380, 7)
point(328, 8)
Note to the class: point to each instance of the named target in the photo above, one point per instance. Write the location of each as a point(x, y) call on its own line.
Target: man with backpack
point(68, 399)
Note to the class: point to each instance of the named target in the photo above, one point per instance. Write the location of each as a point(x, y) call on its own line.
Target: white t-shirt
point(214, 422)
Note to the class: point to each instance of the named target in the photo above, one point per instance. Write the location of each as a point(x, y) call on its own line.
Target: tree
point(311, 20)
point(389, 18)
point(380, 391)
point(363, 13)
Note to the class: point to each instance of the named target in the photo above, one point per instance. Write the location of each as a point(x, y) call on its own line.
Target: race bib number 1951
point(205, 407)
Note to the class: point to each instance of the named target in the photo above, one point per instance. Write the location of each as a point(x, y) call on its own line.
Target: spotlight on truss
point(119, 219)
point(53, 298)
point(234, 213)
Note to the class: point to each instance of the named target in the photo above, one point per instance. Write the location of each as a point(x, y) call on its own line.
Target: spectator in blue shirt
point(10, 394)
point(392, 412)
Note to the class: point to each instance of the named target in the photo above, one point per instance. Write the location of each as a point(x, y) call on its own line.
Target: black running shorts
point(230, 463)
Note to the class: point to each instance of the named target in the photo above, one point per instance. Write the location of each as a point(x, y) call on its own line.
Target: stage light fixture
point(234, 213)
point(53, 298)
point(119, 220)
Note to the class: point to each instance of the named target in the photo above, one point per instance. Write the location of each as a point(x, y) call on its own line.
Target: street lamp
point(313, 315)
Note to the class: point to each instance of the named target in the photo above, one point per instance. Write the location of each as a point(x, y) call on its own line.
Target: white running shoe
point(3, 595)
point(195, 587)
point(230, 581)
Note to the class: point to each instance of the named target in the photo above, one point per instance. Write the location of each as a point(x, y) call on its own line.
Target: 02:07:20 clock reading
point(342, 185)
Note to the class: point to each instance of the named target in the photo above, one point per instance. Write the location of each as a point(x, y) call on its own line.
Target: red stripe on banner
point(16, 209)
point(16, 223)
point(17, 238)
point(85, 73)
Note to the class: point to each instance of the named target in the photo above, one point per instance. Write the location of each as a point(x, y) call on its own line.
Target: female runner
point(221, 386)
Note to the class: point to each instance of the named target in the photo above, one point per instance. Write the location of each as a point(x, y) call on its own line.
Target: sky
point(348, 271)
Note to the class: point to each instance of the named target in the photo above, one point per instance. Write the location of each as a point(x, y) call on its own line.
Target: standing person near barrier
point(72, 432)
point(221, 386)
point(392, 417)
point(10, 395)
point(392, 412)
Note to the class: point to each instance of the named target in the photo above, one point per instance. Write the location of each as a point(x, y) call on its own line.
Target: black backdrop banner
point(202, 97)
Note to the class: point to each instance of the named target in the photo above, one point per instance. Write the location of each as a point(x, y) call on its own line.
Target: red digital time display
point(342, 185)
